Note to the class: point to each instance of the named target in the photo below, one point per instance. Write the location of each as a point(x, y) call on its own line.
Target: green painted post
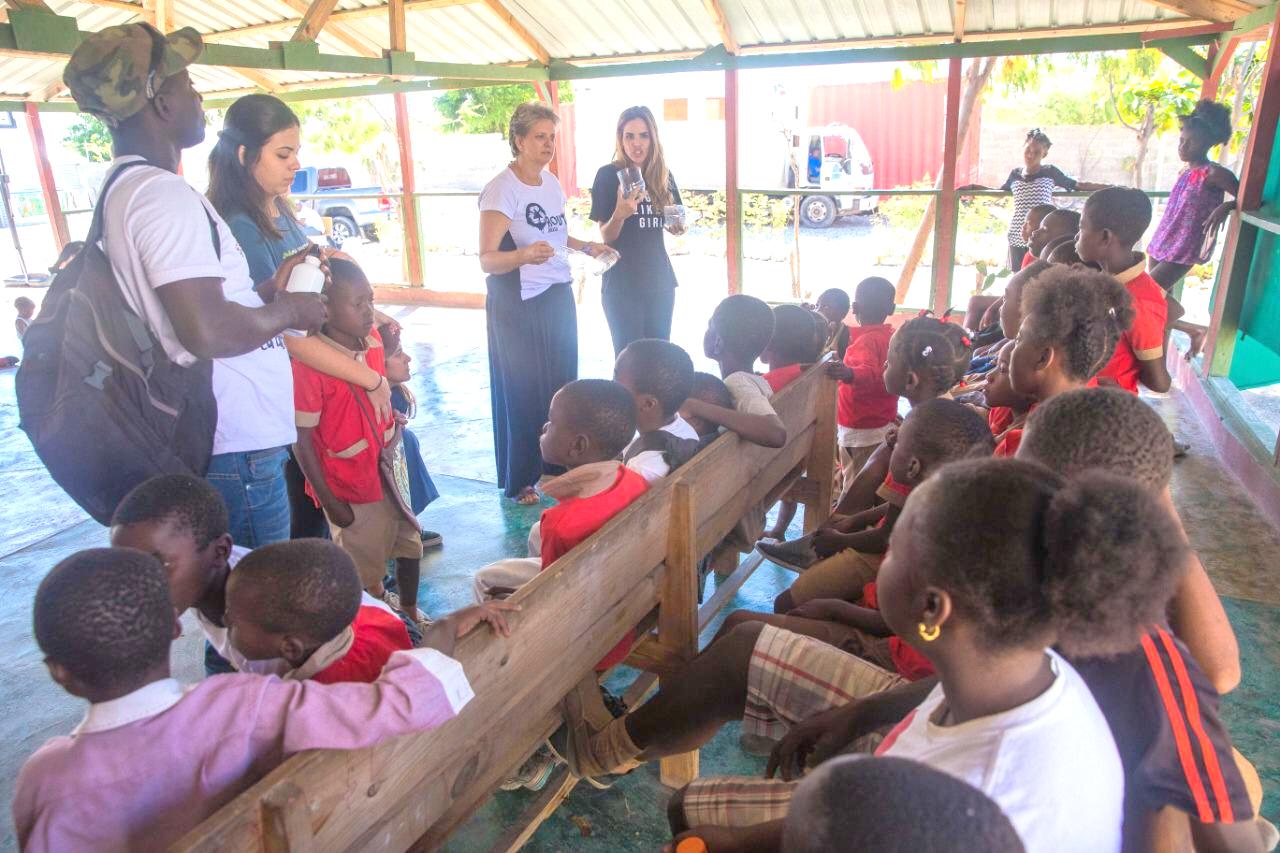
point(1187, 58)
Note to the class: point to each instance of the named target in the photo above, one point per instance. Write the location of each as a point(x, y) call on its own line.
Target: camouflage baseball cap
point(116, 71)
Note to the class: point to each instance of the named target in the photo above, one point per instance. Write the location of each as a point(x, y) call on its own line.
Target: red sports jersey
point(1144, 341)
point(864, 403)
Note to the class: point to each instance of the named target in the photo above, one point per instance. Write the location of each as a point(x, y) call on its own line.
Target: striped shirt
point(1030, 191)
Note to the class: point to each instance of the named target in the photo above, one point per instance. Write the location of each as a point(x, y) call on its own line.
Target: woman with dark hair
point(640, 289)
point(251, 169)
point(529, 309)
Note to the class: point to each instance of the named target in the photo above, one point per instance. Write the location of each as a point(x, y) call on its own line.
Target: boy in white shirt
point(659, 376)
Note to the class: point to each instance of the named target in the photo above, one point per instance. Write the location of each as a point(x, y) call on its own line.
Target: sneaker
point(431, 539)
point(534, 773)
point(796, 556)
point(585, 717)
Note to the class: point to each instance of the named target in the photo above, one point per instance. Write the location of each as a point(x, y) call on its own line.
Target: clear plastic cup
point(631, 178)
point(590, 264)
point(679, 216)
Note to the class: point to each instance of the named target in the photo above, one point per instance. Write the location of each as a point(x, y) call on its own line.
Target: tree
point(354, 127)
point(487, 110)
point(1144, 97)
point(89, 138)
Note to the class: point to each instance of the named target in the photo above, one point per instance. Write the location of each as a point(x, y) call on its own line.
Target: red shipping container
point(901, 128)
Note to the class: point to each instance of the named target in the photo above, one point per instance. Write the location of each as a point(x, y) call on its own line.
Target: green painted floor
point(40, 526)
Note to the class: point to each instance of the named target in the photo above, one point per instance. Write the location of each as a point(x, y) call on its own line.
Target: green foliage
point(489, 109)
point(921, 69)
point(354, 128)
point(904, 212)
point(89, 138)
point(987, 275)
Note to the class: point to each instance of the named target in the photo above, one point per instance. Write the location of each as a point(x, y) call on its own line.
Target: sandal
point(528, 496)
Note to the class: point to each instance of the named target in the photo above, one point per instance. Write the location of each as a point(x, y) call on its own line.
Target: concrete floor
point(40, 526)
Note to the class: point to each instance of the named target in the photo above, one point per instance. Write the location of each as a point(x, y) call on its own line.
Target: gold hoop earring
point(929, 634)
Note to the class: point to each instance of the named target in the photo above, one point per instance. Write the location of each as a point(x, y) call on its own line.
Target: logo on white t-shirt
point(536, 215)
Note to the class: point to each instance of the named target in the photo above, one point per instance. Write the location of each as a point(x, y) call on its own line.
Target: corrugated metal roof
point(471, 32)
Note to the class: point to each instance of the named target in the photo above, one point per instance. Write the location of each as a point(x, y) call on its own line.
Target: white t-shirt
point(1051, 764)
point(751, 393)
point(536, 213)
point(155, 232)
point(651, 464)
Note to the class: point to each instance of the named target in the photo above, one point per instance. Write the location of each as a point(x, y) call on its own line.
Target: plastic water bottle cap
point(693, 844)
point(313, 260)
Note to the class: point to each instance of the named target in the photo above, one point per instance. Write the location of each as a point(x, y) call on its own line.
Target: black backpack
point(103, 404)
point(675, 450)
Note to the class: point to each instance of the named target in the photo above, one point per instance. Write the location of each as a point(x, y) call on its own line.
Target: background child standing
point(866, 409)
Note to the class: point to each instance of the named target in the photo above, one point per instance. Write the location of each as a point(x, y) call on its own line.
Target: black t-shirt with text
point(644, 264)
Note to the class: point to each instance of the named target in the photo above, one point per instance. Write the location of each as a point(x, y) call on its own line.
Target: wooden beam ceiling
point(399, 39)
point(313, 20)
point(1218, 11)
point(257, 78)
point(344, 35)
point(517, 29)
point(959, 16)
point(716, 11)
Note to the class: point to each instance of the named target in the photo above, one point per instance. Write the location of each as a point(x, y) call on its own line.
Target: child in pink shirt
point(152, 759)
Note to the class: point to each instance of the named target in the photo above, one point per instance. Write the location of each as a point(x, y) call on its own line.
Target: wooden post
point(732, 203)
point(820, 466)
point(678, 613)
point(1233, 278)
point(944, 234)
point(48, 188)
point(408, 201)
point(1217, 59)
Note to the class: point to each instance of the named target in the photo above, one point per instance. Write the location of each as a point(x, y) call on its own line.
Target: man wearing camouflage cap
point(180, 268)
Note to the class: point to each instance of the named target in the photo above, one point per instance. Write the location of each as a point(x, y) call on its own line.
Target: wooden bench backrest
point(418, 788)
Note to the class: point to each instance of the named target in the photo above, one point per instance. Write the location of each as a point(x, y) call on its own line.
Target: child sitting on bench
point(151, 760)
point(590, 422)
point(795, 345)
point(301, 601)
point(659, 376)
point(182, 521)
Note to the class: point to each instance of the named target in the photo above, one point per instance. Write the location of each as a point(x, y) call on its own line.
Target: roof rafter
point(716, 11)
point(518, 30)
point(959, 16)
point(1219, 11)
point(313, 20)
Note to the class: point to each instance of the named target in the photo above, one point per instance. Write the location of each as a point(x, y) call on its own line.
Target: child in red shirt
point(1072, 317)
point(1007, 410)
point(866, 409)
point(340, 440)
point(1114, 220)
point(301, 601)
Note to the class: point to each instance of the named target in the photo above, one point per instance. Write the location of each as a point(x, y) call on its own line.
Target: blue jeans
point(253, 485)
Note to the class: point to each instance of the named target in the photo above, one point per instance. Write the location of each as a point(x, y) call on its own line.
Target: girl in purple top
point(1196, 208)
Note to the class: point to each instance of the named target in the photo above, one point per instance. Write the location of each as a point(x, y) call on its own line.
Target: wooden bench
point(413, 791)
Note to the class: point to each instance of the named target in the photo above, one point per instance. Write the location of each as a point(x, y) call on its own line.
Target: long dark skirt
point(533, 352)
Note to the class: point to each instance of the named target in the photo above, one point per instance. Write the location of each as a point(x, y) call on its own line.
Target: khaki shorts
point(379, 533)
point(851, 461)
point(790, 678)
point(842, 575)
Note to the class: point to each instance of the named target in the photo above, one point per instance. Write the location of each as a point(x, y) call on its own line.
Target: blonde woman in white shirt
point(530, 313)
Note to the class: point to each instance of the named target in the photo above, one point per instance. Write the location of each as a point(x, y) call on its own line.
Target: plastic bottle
point(307, 277)
point(692, 844)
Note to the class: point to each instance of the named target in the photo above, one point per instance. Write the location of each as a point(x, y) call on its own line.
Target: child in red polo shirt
point(1072, 317)
point(340, 440)
point(866, 410)
point(1114, 220)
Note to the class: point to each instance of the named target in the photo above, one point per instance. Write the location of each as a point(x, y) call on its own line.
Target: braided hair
point(926, 352)
point(1035, 134)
